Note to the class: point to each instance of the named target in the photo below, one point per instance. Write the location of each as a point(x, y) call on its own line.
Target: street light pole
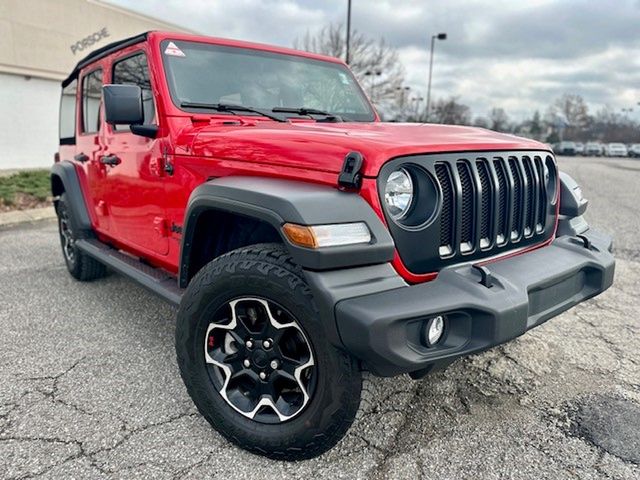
point(348, 31)
point(440, 36)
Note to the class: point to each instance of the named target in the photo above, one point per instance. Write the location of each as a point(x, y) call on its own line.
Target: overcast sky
point(519, 55)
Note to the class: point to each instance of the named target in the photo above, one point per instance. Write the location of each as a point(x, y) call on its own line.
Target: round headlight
point(398, 193)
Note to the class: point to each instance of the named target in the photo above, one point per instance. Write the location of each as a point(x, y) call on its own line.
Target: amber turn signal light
point(335, 235)
point(300, 235)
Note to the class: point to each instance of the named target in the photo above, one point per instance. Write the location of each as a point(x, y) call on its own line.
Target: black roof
point(103, 52)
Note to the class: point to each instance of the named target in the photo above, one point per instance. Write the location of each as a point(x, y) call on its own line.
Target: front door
point(136, 189)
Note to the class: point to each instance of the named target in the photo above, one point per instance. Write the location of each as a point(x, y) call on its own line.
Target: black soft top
point(103, 52)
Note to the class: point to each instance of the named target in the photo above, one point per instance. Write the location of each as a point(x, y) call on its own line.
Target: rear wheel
point(81, 266)
point(254, 357)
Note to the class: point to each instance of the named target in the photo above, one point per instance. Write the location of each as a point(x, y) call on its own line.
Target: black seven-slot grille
point(490, 203)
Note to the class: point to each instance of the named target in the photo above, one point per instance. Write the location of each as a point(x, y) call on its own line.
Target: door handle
point(81, 157)
point(111, 160)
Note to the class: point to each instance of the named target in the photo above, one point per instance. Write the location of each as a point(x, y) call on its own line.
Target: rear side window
point(91, 95)
point(134, 70)
point(67, 122)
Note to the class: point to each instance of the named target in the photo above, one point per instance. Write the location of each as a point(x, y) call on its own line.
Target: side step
point(154, 279)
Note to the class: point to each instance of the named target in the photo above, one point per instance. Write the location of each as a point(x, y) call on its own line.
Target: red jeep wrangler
point(302, 239)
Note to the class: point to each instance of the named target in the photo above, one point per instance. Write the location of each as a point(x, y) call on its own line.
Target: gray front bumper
point(383, 329)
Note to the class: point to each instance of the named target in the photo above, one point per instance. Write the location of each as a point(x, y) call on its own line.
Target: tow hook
point(585, 241)
point(486, 279)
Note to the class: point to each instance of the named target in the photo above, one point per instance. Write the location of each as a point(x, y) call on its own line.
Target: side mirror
point(123, 104)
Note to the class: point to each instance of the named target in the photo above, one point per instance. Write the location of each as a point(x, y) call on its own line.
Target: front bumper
point(383, 329)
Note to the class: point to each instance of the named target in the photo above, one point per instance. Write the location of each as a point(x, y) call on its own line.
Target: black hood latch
point(350, 176)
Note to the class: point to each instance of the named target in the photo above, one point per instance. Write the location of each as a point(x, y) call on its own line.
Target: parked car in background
point(593, 149)
point(579, 148)
point(634, 150)
point(565, 148)
point(616, 150)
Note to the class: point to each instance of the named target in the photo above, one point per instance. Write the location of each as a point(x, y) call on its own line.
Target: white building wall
point(28, 121)
point(40, 42)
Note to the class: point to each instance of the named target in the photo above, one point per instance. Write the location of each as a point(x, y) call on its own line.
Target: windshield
point(201, 73)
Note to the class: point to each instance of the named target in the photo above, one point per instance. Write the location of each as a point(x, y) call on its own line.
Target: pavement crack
point(379, 472)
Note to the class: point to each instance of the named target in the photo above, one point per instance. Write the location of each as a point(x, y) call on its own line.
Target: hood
point(323, 146)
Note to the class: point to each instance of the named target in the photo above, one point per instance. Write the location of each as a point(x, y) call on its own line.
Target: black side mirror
point(123, 104)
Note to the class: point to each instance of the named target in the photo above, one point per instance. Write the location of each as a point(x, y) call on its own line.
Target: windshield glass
point(202, 73)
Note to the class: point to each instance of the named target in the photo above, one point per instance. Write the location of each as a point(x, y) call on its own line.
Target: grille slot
point(531, 197)
point(516, 217)
point(503, 193)
point(490, 202)
point(446, 228)
point(540, 223)
point(467, 207)
point(485, 204)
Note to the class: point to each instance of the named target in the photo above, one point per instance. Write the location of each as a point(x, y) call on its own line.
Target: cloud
point(515, 55)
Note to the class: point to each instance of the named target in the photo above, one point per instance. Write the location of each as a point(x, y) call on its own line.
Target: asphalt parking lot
point(89, 386)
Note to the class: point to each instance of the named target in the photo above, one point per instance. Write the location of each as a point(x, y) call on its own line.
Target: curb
point(24, 216)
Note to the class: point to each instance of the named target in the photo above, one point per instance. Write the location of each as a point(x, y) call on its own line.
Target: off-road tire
point(266, 271)
point(80, 265)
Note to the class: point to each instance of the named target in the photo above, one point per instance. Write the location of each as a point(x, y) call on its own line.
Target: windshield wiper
point(331, 117)
point(229, 107)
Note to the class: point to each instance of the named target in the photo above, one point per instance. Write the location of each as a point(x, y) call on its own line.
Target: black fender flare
point(66, 172)
point(278, 201)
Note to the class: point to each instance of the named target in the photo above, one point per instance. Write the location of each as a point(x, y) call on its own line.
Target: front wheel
point(253, 354)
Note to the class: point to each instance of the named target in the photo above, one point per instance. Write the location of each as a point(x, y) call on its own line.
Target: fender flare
point(278, 201)
point(66, 172)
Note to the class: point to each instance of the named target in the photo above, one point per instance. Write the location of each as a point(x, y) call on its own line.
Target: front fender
point(276, 202)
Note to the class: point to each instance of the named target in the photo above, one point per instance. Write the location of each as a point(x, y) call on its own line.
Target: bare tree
point(481, 122)
point(450, 111)
point(375, 64)
point(499, 120)
point(535, 126)
point(574, 110)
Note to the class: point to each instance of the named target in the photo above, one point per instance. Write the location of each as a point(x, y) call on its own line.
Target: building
point(40, 42)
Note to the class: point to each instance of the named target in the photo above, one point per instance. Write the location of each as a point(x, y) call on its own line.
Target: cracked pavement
point(89, 386)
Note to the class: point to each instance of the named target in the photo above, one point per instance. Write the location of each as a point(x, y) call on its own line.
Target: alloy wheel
point(259, 360)
point(67, 237)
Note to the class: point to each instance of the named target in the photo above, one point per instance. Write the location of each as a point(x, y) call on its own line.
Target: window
point(91, 95)
point(134, 70)
point(67, 121)
point(210, 74)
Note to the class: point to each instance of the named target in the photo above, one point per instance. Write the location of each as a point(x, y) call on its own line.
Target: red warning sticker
point(173, 50)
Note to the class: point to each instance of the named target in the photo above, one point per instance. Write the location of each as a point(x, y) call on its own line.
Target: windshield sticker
point(173, 50)
point(343, 78)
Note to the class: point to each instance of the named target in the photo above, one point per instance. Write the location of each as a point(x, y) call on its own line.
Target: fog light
point(433, 330)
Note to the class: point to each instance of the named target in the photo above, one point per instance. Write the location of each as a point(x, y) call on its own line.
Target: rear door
point(89, 143)
point(136, 187)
